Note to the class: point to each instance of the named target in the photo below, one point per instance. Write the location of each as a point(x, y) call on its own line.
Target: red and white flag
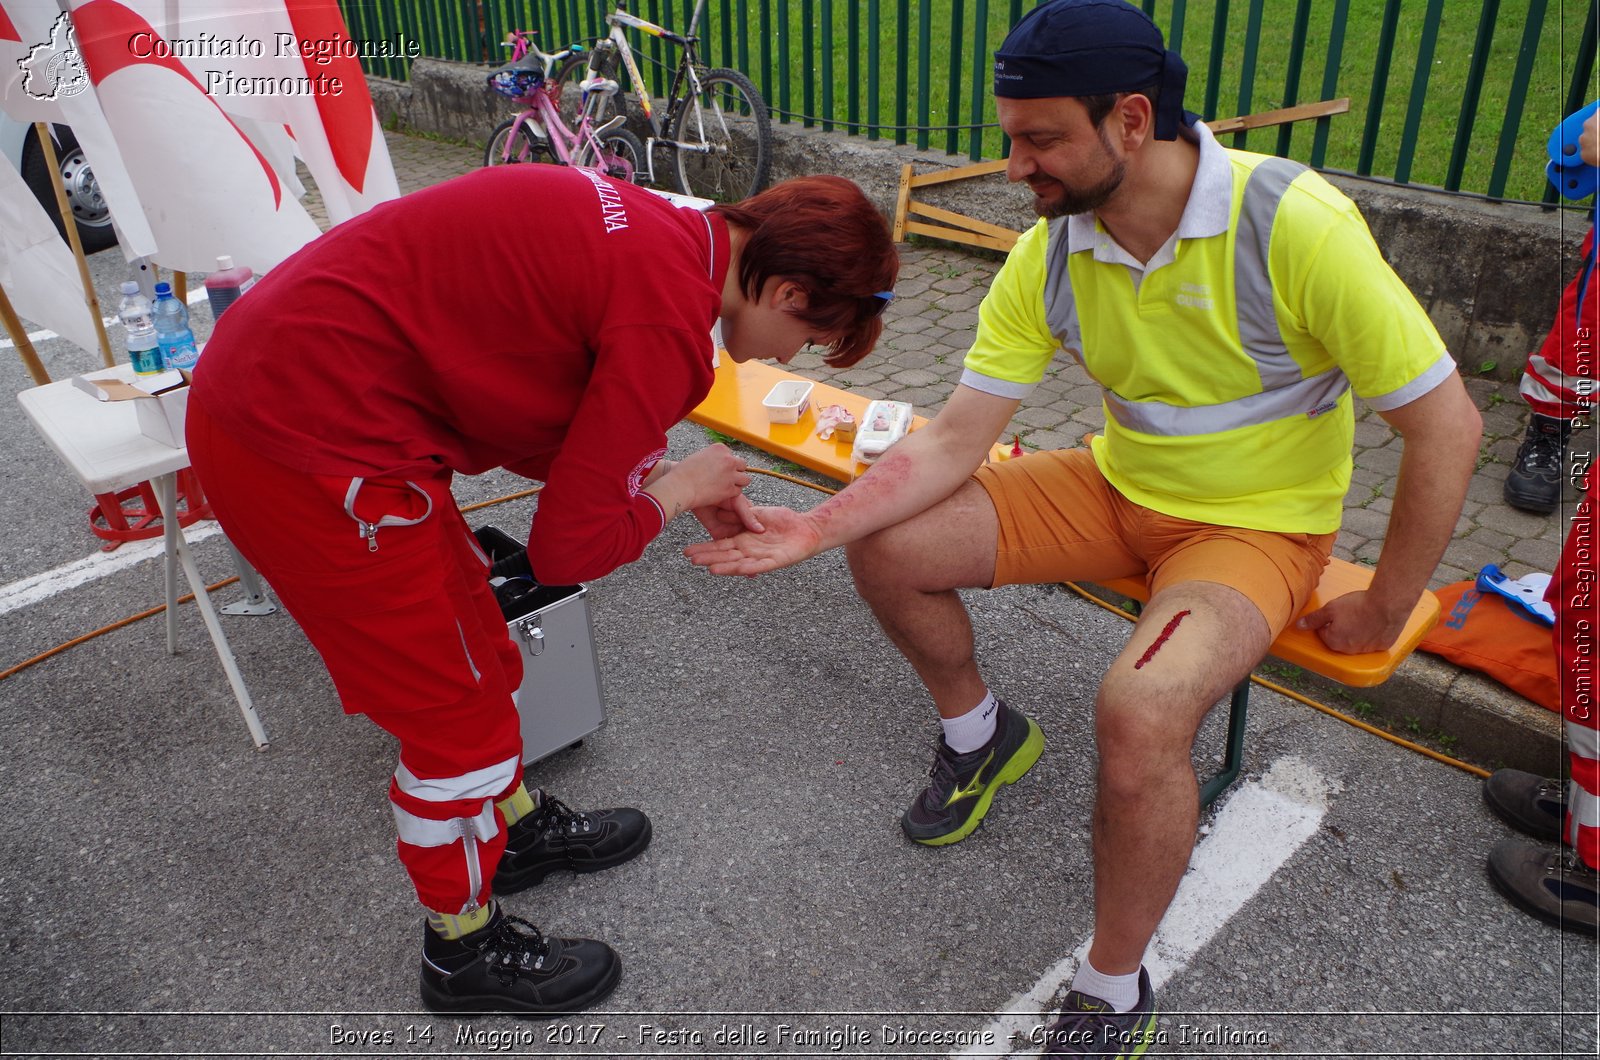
point(42, 78)
point(36, 268)
point(290, 63)
point(204, 188)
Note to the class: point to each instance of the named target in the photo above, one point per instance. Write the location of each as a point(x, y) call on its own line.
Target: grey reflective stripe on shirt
point(1060, 307)
point(1285, 389)
point(1252, 277)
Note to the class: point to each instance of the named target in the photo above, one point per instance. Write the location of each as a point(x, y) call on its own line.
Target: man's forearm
point(1435, 470)
point(911, 477)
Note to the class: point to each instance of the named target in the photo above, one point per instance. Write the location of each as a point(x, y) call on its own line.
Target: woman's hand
point(709, 479)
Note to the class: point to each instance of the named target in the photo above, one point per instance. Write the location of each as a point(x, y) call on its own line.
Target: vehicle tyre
point(513, 142)
point(622, 155)
point(83, 192)
point(730, 119)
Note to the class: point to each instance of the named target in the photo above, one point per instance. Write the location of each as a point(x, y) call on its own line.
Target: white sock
point(973, 729)
point(1121, 992)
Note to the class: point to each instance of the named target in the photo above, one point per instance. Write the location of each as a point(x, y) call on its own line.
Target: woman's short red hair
point(824, 234)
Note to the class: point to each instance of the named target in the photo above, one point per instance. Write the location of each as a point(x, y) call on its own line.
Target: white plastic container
point(787, 402)
point(883, 424)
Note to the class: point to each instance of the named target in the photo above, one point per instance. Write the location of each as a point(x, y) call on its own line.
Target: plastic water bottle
point(224, 286)
point(135, 314)
point(172, 329)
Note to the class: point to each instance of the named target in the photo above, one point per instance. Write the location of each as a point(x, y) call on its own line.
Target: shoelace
point(945, 774)
point(1542, 451)
point(511, 952)
point(561, 820)
point(1082, 1026)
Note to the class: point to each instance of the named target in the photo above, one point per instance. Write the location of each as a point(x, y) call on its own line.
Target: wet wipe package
point(560, 700)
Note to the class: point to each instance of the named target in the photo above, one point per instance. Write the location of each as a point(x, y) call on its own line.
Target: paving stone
point(1048, 439)
point(1043, 417)
point(1471, 556)
point(1385, 461)
point(916, 377)
point(1364, 523)
point(1537, 553)
point(1371, 433)
point(1493, 539)
point(1509, 520)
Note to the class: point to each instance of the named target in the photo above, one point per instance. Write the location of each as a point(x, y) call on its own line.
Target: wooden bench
point(1305, 649)
point(959, 228)
point(734, 408)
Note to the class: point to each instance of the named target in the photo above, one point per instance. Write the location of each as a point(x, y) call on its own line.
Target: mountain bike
point(714, 123)
point(541, 133)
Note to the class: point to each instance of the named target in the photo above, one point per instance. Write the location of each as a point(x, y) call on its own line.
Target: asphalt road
point(165, 888)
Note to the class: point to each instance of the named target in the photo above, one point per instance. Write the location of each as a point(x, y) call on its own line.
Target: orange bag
point(1483, 632)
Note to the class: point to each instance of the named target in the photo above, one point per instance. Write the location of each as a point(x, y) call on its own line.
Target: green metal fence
point(1458, 94)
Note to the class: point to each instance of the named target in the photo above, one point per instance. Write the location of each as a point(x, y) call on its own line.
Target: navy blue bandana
point(1092, 48)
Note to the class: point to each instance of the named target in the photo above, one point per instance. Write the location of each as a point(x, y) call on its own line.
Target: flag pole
point(70, 226)
point(19, 335)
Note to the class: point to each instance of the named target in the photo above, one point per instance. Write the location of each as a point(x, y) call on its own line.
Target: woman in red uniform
point(336, 400)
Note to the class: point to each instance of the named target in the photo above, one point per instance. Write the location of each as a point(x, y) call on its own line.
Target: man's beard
point(1087, 199)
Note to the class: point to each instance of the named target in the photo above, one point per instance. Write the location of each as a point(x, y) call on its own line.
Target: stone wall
point(1489, 274)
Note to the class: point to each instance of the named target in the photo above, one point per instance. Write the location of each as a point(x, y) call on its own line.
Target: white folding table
point(102, 444)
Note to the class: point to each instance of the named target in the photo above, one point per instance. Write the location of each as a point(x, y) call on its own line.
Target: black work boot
point(555, 837)
point(1534, 484)
point(510, 966)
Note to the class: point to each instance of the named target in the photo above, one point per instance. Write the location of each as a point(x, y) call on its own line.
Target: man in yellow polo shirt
point(1230, 306)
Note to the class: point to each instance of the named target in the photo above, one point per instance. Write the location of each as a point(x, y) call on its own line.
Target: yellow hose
point(1264, 683)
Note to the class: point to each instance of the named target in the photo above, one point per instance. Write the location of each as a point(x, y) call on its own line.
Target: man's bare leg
point(1193, 643)
point(908, 575)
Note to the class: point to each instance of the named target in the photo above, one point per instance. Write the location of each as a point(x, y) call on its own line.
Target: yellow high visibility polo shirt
point(1228, 361)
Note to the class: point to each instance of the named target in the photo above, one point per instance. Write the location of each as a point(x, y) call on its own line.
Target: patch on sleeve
point(636, 476)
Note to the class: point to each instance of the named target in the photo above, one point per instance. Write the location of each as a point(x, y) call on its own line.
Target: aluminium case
point(560, 700)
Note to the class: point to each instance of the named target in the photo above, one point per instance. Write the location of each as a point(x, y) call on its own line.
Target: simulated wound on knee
point(1161, 638)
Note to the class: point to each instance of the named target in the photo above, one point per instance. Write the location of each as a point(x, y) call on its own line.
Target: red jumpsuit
point(1575, 596)
point(542, 319)
point(1558, 379)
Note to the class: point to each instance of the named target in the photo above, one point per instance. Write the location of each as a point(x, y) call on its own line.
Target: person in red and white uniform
point(542, 319)
point(1562, 886)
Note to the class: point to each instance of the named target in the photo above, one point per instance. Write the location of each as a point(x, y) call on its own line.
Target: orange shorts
point(1060, 520)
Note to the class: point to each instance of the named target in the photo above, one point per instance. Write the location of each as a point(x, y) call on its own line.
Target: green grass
point(809, 73)
point(1439, 117)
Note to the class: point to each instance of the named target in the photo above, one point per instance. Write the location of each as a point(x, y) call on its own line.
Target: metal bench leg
point(1233, 757)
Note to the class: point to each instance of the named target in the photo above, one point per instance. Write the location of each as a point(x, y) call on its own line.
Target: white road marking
point(40, 587)
point(1258, 829)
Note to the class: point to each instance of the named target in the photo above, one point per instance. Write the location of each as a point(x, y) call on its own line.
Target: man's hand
point(1356, 622)
point(789, 537)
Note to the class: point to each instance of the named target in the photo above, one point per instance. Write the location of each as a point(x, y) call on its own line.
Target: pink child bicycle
point(539, 133)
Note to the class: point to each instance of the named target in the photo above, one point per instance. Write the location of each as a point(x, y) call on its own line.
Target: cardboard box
point(560, 700)
point(161, 401)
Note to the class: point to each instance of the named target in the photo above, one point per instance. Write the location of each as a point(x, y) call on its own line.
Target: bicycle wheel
point(571, 73)
point(622, 155)
point(512, 142)
point(724, 139)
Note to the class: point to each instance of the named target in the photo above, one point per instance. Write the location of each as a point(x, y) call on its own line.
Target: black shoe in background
point(1534, 484)
point(1531, 804)
point(509, 966)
